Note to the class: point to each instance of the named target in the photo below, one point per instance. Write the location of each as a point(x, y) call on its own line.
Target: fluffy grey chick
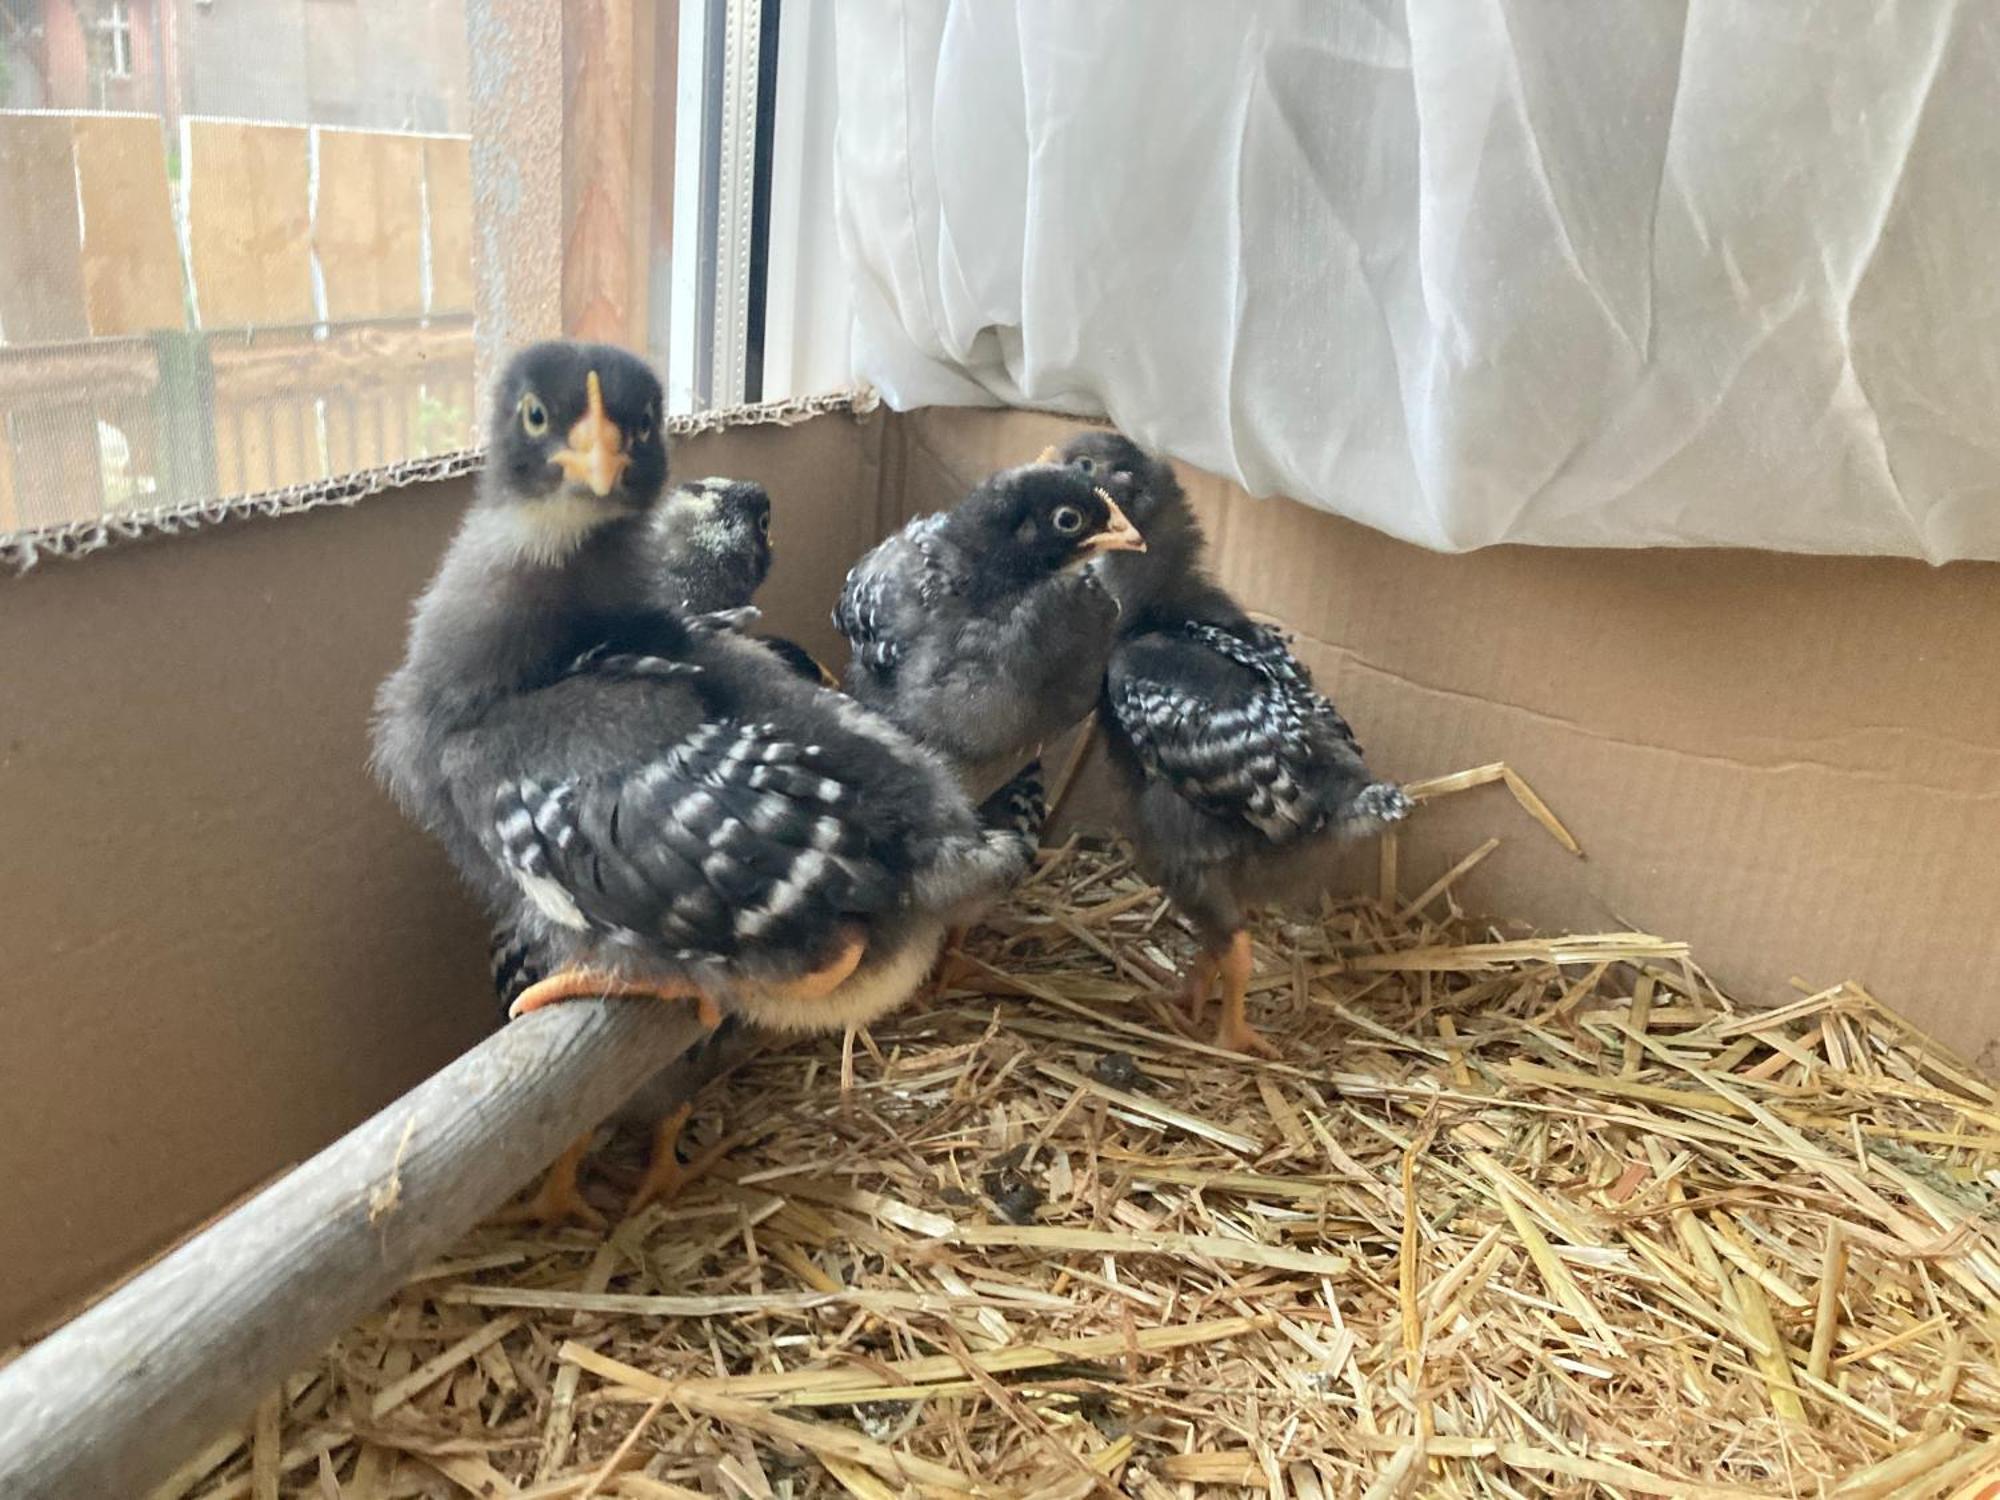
point(710, 544)
point(1243, 778)
point(983, 630)
point(712, 538)
point(712, 541)
point(661, 805)
point(710, 551)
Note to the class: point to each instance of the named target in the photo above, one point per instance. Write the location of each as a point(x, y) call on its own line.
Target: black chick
point(983, 630)
point(1243, 778)
point(710, 541)
point(713, 541)
point(655, 801)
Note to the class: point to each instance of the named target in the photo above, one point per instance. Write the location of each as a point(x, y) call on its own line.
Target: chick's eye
point(534, 415)
point(643, 433)
point(764, 524)
point(1088, 465)
point(1067, 519)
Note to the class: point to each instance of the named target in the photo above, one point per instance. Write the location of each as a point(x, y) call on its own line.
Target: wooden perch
point(110, 1403)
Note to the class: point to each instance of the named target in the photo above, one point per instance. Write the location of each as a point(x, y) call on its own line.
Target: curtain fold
point(1623, 273)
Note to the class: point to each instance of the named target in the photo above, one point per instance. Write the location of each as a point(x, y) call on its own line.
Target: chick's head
point(580, 420)
point(1135, 479)
point(1046, 518)
point(715, 542)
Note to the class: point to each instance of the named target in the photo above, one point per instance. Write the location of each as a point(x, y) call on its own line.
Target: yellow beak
point(596, 453)
point(1050, 455)
point(1118, 535)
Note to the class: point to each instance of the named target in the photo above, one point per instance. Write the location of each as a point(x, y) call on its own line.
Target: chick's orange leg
point(952, 969)
point(1235, 1032)
point(578, 984)
point(1199, 984)
point(665, 1176)
point(558, 1199)
point(829, 976)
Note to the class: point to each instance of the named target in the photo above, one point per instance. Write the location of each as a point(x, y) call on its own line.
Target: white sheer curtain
point(1614, 272)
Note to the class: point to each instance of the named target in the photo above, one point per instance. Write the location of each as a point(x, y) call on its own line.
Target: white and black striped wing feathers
point(888, 593)
point(1232, 721)
point(733, 843)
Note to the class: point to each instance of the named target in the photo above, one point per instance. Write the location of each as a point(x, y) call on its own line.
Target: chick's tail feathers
point(514, 963)
point(1376, 806)
point(1020, 808)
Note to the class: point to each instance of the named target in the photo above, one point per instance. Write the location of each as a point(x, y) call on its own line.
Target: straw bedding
point(1543, 1216)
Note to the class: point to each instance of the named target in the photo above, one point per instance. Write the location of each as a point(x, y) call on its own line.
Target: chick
point(1243, 778)
point(710, 546)
point(983, 630)
point(712, 539)
point(654, 801)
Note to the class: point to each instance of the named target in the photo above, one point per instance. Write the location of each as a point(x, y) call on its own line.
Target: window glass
point(237, 251)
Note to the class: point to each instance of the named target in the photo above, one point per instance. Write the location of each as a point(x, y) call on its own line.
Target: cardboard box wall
point(222, 947)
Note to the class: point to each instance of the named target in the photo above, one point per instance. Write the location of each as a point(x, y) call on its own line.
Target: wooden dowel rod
point(111, 1402)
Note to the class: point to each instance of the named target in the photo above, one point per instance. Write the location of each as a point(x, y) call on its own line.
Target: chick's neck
point(497, 621)
point(1167, 584)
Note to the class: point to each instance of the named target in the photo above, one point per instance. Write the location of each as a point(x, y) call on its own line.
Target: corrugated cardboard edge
point(74, 540)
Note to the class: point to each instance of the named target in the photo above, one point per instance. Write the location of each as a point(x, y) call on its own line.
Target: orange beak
point(1050, 455)
point(1118, 535)
point(596, 453)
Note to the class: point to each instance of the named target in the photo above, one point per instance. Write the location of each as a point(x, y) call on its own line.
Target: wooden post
point(563, 120)
point(515, 57)
point(607, 167)
point(110, 1403)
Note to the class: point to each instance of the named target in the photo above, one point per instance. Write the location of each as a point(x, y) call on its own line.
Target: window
point(238, 256)
point(757, 309)
point(237, 252)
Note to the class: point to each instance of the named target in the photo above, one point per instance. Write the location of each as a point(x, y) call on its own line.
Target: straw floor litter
point(1517, 1217)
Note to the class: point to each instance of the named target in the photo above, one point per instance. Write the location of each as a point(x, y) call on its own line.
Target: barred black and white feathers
point(736, 840)
point(1017, 812)
point(1232, 721)
point(516, 963)
point(710, 559)
point(696, 845)
point(983, 631)
point(889, 594)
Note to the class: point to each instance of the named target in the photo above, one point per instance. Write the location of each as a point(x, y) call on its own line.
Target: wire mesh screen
point(236, 252)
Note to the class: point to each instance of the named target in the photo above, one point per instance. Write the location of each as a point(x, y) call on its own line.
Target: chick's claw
point(579, 984)
point(665, 1176)
point(830, 975)
point(558, 1200)
point(1235, 1031)
point(1199, 985)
